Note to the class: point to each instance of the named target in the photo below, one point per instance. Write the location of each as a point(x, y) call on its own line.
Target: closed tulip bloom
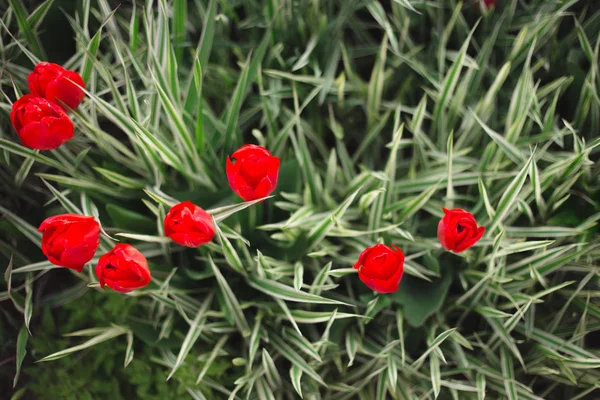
point(486, 4)
point(70, 240)
point(123, 269)
point(381, 268)
point(189, 225)
point(40, 124)
point(458, 230)
point(56, 84)
point(252, 172)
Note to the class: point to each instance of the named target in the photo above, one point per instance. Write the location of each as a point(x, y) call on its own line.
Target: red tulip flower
point(40, 124)
point(381, 267)
point(252, 172)
point(70, 240)
point(56, 84)
point(486, 4)
point(458, 230)
point(123, 269)
point(189, 225)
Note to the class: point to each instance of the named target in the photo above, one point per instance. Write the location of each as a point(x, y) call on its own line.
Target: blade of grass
point(231, 301)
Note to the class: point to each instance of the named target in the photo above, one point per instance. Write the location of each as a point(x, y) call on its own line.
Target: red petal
point(190, 239)
point(248, 150)
point(445, 241)
point(362, 257)
point(242, 188)
point(34, 84)
point(126, 286)
point(448, 234)
point(64, 90)
point(264, 188)
point(469, 242)
point(383, 285)
point(381, 263)
point(63, 219)
point(273, 171)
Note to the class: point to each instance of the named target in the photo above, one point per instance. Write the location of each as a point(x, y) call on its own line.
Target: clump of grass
point(382, 114)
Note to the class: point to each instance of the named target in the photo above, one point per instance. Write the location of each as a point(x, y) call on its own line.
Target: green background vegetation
point(382, 112)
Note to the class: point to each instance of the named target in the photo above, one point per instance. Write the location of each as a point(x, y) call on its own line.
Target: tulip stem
point(253, 216)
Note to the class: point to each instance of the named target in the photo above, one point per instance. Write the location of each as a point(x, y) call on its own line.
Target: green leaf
point(554, 342)
point(296, 377)
point(416, 203)
point(294, 358)
point(24, 171)
point(121, 180)
point(222, 213)
point(392, 372)
point(213, 354)
point(231, 301)
point(508, 198)
point(31, 154)
point(107, 334)
point(491, 312)
point(281, 291)
point(129, 351)
point(232, 257)
point(434, 373)
point(196, 328)
point(21, 352)
point(24, 227)
point(420, 298)
point(509, 374)
point(179, 18)
point(199, 127)
point(26, 28)
point(295, 338)
point(271, 371)
point(317, 317)
point(37, 16)
point(92, 51)
point(145, 238)
point(508, 148)
point(434, 345)
point(319, 232)
point(85, 184)
point(129, 220)
point(28, 302)
point(247, 77)
point(208, 33)
point(376, 83)
point(481, 386)
point(447, 88)
point(298, 275)
point(178, 129)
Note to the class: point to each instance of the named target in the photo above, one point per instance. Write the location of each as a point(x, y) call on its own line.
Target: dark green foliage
point(382, 113)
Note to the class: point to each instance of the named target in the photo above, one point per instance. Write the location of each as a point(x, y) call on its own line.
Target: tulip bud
point(381, 267)
point(458, 230)
point(252, 172)
point(40, 124)
point(56, 84)
point(189, 225)
point(70, 240)
point(123, 269)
